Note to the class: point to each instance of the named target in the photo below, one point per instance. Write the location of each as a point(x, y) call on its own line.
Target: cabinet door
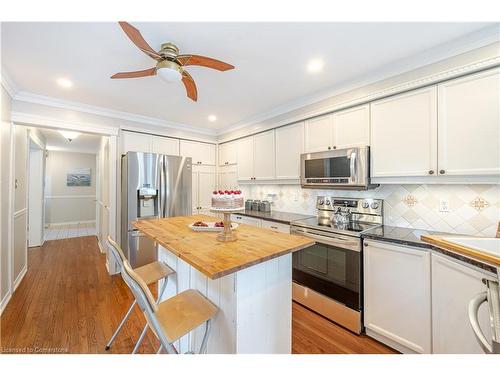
point(201, 153)
point(246, 220)
point(264, 156)
point(245, 159)
point(136, 142)
point(469, 125)
point(398, 295)
point(166, 146)
point(227, 153)
point(275, 227)
point(403, 134)
point(351, 127)
point(318, 134)
point(206, 185)
point(453, 286)
point(289, 146)
point(228, 177)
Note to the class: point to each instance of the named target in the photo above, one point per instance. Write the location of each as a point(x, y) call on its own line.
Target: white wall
point(68, 204)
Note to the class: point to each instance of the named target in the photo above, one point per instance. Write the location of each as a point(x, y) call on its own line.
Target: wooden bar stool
point(149, 273)
point(173, 318)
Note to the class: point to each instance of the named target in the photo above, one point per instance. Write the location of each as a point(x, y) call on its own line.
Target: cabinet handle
point(366, 245)
point(334, 147)
point(441, 171)
point(273, 227)
point(329, 148)
point(431, 172)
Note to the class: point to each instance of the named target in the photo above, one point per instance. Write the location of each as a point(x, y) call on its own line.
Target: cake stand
point(227, 235)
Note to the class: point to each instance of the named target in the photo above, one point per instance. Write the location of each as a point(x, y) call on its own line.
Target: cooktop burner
point(352, 228)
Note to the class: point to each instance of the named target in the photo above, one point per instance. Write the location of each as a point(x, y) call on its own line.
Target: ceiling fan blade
point(136, 38)
point(136, 74)
point(204, 61)
point(190, 86)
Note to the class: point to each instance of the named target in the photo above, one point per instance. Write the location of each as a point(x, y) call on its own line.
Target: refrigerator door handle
point(474, 305)
point(162, 187)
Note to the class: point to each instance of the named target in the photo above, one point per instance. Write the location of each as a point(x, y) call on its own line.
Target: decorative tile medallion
point(479, 203)
point(410, 200)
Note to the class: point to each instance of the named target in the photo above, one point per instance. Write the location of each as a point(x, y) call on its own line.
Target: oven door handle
point(353, 166)
point(330, 240)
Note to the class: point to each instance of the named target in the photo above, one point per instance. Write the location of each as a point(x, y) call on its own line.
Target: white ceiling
point(270, 60)
point(85, 143)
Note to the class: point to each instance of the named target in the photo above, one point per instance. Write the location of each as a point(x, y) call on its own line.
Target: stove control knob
point(327, 202)
point(321, 202)
point(365, 205)
point(374, 205)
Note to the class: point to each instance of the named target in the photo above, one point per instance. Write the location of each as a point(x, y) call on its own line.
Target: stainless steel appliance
point(152, 186)
point(347, 168)
point(492, 297)
point(328, 276)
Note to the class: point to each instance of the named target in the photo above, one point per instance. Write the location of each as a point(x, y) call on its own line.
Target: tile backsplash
point(472, 209)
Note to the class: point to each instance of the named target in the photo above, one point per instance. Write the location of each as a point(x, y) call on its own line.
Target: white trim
point(56, 149)
point(20, 278)
point(101, 249)
point(5, 301)
point(101, 111)
point(21, 212)
point(52, 123)
point(49, 225)
point(8, 84)
point(34, 138)
point(70, 196)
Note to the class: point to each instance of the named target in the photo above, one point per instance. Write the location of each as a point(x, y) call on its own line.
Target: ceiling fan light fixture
point(169, 71)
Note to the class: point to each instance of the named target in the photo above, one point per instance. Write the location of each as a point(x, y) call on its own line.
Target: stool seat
point(154, 271)
point(183, 313)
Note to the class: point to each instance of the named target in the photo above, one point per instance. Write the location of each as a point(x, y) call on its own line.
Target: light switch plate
point(444, 205)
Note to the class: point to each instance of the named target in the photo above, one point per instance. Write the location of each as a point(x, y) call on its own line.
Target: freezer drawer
point(142, 250)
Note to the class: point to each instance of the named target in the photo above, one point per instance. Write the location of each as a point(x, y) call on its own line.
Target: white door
point(453, 286)
point(164, 145)
point(245, 159)
point(351, 127)
point(137, 142)
point(397, 284)
point(264, 156)
point(469, 125)
point(403, 134)
point(206, 185)
point(318, 134)
point(289, 146)
point(200, 152)
point(35, 197)
point(228, 153)
point(228, 177)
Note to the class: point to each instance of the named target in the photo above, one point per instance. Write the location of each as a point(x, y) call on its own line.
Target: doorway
point(36, 172)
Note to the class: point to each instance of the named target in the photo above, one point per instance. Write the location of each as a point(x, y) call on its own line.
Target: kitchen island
point(250, 280)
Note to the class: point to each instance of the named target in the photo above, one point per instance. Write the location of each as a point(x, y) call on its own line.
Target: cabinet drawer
point(246, 220)
point(277, 227)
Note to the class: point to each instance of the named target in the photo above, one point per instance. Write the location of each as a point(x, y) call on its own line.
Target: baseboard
point(71, 222)
point(101, 249)
point(5, 301)
point(19, 278)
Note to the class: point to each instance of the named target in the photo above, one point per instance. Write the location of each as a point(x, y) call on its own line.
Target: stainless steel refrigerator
point(152, 186)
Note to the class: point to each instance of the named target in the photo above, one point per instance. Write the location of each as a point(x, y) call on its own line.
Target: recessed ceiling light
point(212, 118)
point(69, 135)
point(64, 82)
point(315, 65)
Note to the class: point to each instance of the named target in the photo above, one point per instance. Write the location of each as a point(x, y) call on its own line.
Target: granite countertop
point(276, 216)
point(412, 237)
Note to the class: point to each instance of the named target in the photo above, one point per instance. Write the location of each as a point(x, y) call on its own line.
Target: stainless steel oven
point(347, 168)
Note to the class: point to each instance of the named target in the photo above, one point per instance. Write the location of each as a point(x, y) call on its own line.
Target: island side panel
point(220, 291)
point(264, 307)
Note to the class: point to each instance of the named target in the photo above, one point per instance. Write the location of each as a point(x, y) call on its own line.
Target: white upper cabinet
point(318, 134)
point(228, 177)
point(164, 145)
point(403, 134)
point(136, 142)
point(200, 152)
point(264, 156)
point(228, 153)
point(245, 159)
point(469, 125)
point(351, 127)
point(453, 286)
point(289, 146)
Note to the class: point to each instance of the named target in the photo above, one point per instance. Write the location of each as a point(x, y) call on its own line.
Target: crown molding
point(27, 97)
point(467, 43)
point(8, 84)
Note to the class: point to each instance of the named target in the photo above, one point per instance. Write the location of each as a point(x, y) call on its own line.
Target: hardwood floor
point(67, 303)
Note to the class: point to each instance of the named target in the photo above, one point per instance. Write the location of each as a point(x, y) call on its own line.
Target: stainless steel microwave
point(347, 168)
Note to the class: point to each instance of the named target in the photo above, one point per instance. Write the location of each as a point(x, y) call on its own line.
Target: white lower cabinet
point(453, 286)
point(276, 227)
point(246, 220)
point(204, 183)
point(397, 296)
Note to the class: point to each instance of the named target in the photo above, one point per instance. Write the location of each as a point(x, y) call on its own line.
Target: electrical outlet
point(444, 205)
point(295, 197)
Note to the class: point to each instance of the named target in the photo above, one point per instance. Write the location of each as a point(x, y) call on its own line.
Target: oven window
point(331, 271)
point(328, 167)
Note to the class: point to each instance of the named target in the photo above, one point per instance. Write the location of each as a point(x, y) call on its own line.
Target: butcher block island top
point(213, 258)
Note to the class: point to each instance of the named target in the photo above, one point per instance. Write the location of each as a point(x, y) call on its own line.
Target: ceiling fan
point(169, 64)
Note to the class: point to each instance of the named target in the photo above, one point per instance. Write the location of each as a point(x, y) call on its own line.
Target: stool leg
point(120, 326)
point(159, 349)
point(203, 347)
point(143, 333)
